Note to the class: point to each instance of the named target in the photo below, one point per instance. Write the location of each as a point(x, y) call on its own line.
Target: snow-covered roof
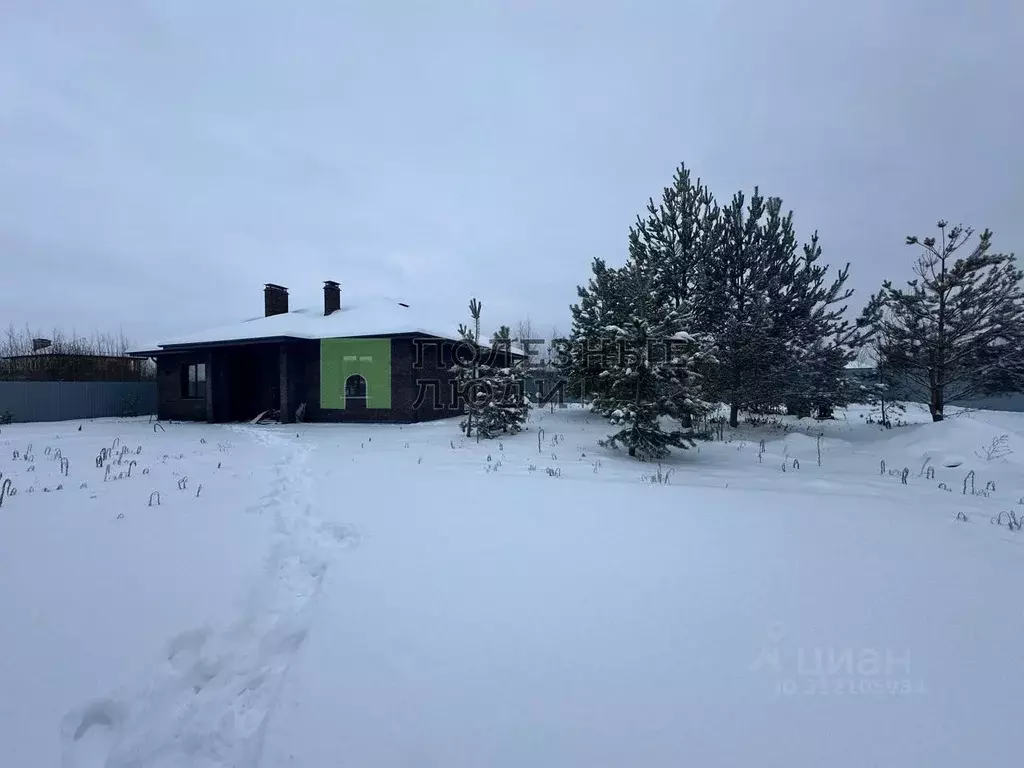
point(366, 317)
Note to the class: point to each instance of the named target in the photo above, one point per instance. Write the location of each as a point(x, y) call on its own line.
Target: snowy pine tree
point(674, 242)
point(957, 329)
point(491, 382)
point(777, 318)
point(823, 339)
point(669, 244)
point(740, 303)
point(676, 237)
point(653, 373)
point(738, 277)
point(505, 409)
point(467, 368)
point(601, 304)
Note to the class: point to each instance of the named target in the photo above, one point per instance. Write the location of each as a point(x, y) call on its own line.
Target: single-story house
point(46, 365)
point(374, 360)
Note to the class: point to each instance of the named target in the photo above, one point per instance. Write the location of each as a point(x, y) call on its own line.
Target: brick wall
point(171, 400)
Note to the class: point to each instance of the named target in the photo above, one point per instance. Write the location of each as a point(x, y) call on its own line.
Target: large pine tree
point(777, 317)
point(674, 241)
point(740, 302)
point(956, 330)
point(651, 379)
point(601, 303)
point(675, 238)
point(824, 339)
point(738, 277)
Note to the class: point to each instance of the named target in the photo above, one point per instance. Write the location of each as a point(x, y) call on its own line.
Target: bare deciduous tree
point(21, 342)
point(525, 337)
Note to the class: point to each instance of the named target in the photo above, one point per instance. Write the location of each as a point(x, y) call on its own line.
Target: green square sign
point(355, 366)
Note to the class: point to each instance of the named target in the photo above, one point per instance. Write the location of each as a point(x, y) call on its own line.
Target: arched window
point(355, 391)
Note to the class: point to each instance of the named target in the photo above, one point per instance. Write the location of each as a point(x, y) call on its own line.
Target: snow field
point(376, 595)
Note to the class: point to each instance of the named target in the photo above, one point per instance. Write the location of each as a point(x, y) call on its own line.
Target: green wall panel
point(341, 358)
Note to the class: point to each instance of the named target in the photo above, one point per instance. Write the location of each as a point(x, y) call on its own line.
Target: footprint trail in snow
point(209, 700)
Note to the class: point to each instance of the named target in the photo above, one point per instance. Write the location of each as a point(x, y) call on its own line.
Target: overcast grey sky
point(160, 161)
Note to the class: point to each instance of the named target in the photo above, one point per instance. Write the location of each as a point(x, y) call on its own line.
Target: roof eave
point(193, 345)
point(190, 345)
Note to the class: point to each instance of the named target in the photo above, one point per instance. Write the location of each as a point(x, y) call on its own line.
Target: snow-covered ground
point(386, 596)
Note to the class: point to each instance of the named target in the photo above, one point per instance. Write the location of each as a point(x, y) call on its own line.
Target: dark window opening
point(193, 381)
point(355, 391)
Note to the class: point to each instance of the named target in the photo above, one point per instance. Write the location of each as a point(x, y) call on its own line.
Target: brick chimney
point(332, 297)
point(275, 299)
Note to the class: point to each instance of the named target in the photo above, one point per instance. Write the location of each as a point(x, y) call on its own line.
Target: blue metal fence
point(1008, 402)
point(916, 393)
point(61, 400)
